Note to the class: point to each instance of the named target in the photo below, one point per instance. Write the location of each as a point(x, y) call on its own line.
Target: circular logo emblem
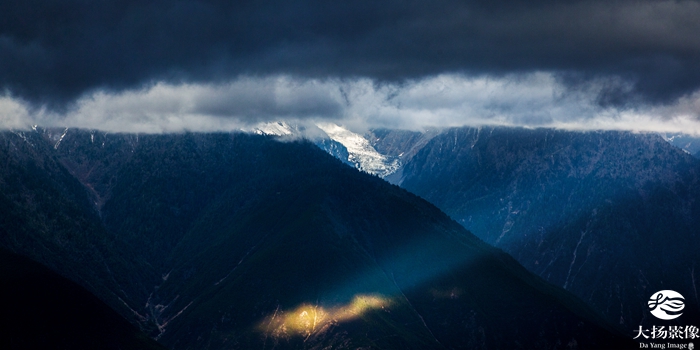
point(666, 304)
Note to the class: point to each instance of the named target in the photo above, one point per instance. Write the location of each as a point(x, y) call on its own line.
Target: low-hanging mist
point(529, 100)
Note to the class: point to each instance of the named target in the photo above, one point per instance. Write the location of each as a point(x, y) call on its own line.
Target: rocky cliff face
point(610, 216)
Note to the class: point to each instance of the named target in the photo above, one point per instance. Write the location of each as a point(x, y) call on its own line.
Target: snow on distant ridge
point(361, 153)
point(689, 144)
point(274, 128)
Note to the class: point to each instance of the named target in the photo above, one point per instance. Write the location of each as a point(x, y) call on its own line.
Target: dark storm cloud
point(54, 51)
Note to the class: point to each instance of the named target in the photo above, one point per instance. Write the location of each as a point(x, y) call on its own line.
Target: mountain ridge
point(566, 204)
point(254, 235)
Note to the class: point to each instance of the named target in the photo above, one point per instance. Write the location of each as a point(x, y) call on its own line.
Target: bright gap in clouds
point(529, 100)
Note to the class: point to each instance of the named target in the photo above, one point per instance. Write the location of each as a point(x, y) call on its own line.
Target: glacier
point(360, 152)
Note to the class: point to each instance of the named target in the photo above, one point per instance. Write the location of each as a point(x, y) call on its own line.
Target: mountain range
point(610, 216)
point(231, 240)
point(567, 205)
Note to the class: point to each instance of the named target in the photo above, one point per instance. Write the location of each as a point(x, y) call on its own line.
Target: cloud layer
point(530, 100)
point(54, 52)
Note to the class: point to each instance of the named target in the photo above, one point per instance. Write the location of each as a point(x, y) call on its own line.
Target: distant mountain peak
point(350, 147)
point(278, 128)
point(360, 151)
point(689, 144)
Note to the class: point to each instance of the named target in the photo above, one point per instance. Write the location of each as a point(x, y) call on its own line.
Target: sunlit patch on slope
point(309, 319)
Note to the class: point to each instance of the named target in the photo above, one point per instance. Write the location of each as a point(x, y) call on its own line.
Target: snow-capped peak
point(361, 153)
point(274, 128)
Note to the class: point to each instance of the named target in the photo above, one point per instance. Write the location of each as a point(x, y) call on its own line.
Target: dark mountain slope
point(403, 144)
point(41, 310)
point(47, 215)
point(45, 210)
point(239, 241)
point(400, 144)
point(610, 216)
point(259, 243)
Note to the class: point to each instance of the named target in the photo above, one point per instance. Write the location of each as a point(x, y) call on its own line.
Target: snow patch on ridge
point(361, 153)
point(60, 139)
point(689, 144)
point(275, 129)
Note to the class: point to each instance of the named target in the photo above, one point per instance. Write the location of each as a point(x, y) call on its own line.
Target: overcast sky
point(160, 66)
